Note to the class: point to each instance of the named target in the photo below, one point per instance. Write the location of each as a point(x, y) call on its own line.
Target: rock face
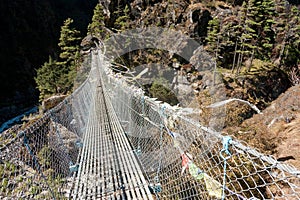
point(183, 90)
point(289, 134)
point(190, 18)
point(52, 102)
point(276, 131)
point(88, 42)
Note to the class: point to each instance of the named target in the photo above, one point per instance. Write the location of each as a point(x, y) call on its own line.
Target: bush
point(160, 89)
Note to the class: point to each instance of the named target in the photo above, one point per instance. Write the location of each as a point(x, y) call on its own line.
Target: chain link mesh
point(38, 161)
point(180, 158)
point(184, 160)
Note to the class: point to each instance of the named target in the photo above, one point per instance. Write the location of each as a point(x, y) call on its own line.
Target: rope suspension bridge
point(109, 141)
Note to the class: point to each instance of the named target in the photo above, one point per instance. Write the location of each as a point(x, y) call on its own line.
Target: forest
point(257, 41)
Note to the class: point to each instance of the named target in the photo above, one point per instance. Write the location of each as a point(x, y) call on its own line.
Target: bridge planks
point(108, 167)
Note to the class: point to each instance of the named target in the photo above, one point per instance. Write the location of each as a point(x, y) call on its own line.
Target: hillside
point(255, 44)
point(256, 48)
point(276, 130)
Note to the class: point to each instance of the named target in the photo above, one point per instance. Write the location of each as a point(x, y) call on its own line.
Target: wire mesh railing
point(184, 160)
point(180, 158)
point(39, 161)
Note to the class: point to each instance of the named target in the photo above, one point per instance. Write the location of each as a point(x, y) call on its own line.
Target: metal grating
point(108, 167)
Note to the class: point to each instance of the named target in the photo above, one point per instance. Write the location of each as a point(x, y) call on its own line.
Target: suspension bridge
point(109, 141)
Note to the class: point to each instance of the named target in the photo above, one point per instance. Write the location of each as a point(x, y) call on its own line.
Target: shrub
point(160, 89)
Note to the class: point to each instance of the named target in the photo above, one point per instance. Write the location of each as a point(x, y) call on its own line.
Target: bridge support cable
point(108, 167)
point(193, 160)
point(109, 141)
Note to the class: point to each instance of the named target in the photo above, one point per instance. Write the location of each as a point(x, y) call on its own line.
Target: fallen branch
point(221, 103)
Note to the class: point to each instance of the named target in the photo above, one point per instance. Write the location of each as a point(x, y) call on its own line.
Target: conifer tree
point(47, 78)
point(266, 35)
point(68, 41)
point(292, 46)
point(231, 33)
point(249, 35)
point(281, 28)
point(69, 57)
point(212, 34)
point(257, 37)
point(228, 40)
point(213, 38)
point(96, 27)
point(56, 77)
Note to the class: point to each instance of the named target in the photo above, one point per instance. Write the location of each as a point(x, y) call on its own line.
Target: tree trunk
point(251, 60)
point(234, 57)
point(240, 59)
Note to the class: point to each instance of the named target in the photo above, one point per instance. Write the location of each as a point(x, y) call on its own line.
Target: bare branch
point(221, 103)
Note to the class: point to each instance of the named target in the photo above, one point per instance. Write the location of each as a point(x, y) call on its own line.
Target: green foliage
point(47, 78)
point(11, 167)
point(4, 184)
point(122, 21)
point(44, 156)
point(292, 48)
point(1, 170)
point(160, 89)
point(7, 170)
point(266, 35)
point(34, 190)
point(68, 41)
point(57, 76)
point(244, 36)
point(258, 37)
point(212, 34)
point(96, 27)
point(69, 45)
point(258, 66)
point(16, 179)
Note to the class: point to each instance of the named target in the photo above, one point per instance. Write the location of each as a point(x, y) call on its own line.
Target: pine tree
point(257, 37)
point(244, 44)
point(228, 40)
point(249, 36)
point(68, 41)
point(56, 77)
point(69, 57)
point(96, 27)
point(292, 46)
point(281, 27)
point(231, 33)
point(213, 38)
point(47, 78)
point(212, 35)
point(266, 34)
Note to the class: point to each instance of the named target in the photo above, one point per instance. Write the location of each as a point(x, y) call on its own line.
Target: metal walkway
point(108, 167)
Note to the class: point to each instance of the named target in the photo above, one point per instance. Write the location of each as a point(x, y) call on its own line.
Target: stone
point(51, 102)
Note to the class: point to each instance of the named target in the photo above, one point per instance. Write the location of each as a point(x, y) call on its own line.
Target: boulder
point(89, 42)
point(51, 102)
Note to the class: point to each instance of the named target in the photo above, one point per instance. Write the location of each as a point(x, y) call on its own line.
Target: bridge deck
point(108, 168)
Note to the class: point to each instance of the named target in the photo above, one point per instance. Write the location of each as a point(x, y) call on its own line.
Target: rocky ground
point(277, 130)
